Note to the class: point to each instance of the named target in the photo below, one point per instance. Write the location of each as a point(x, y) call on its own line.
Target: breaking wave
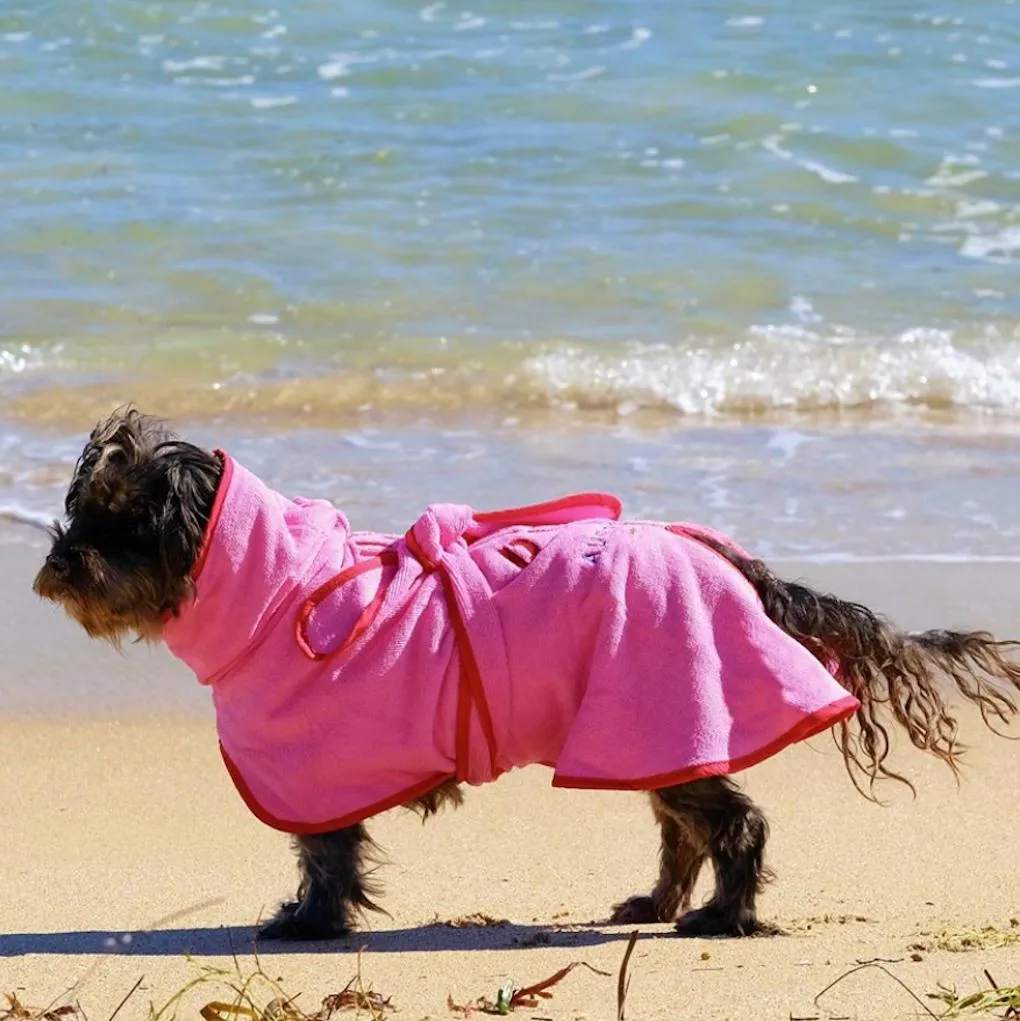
point(768, 370)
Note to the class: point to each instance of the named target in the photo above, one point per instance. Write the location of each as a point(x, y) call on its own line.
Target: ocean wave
point(805, 369)
point(787, 368)
point(20, 358)
point(17, 515)
point(1001, 247)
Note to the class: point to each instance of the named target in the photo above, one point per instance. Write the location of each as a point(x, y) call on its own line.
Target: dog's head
point(136, 514)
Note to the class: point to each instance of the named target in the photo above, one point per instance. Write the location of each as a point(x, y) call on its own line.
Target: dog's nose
point(59, 564)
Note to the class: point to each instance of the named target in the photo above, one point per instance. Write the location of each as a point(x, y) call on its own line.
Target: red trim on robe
point(808, 726)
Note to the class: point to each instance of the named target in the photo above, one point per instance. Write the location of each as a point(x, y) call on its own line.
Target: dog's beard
point(113, 610)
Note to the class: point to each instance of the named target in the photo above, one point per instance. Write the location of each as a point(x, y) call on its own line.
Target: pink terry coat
point(352, 672)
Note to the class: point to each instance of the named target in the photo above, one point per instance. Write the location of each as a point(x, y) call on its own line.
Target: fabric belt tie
point(439, 540)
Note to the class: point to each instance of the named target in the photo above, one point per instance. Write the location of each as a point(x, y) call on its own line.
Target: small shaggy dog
point(353, 672)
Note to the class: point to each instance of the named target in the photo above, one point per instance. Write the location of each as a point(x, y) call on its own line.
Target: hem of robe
point(401, 797)
point(807, 726)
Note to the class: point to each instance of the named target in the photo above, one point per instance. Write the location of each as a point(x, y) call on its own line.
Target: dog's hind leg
point(682, 852)
point(334, 887)
point(734, 832)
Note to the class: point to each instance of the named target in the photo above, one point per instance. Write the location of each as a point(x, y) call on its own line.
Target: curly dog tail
point(889, 671)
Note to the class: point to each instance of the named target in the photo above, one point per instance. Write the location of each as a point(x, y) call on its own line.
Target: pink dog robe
point(352, 672)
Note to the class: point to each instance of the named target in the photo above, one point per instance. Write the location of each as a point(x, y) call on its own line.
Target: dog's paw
point(709, 921)
point(635, 911)
point(296, 924)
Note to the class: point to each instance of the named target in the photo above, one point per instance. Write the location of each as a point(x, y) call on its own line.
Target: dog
point(166, 541)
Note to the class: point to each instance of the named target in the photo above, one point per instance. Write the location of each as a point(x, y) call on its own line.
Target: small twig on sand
point(818, 1017)
point(623, 982)
point(131, 992)
point(886, 971)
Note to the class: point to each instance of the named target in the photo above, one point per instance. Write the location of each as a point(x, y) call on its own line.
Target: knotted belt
point(439, 542)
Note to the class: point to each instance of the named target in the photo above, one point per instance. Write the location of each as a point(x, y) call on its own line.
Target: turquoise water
point(578, 233)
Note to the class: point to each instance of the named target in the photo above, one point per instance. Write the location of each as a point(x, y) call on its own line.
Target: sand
point(127, 854)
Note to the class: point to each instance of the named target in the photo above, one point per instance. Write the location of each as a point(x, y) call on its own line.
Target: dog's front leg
point(333, 887)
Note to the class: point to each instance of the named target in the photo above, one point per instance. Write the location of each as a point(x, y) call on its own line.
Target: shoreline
point(847, 495)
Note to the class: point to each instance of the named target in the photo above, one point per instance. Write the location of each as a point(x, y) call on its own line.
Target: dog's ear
point(191, 478)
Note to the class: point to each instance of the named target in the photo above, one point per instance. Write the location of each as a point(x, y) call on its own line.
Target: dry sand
point(125, 850)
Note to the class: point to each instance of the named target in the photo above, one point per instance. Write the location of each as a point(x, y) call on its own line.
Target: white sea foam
point(18, 515)
point(772, 144)
point(996, 83)
point(577, 76)
point(1001, 247)
point(965, 208)
point(784, 367)
point(19, 358)
point(195, 64)
point(827, 174)
point(431, 11)
point(223, 83)
point(337, 67)
point(271, 102)
point(637, 38)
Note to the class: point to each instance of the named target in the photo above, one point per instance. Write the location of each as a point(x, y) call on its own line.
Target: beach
point(129, 856)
